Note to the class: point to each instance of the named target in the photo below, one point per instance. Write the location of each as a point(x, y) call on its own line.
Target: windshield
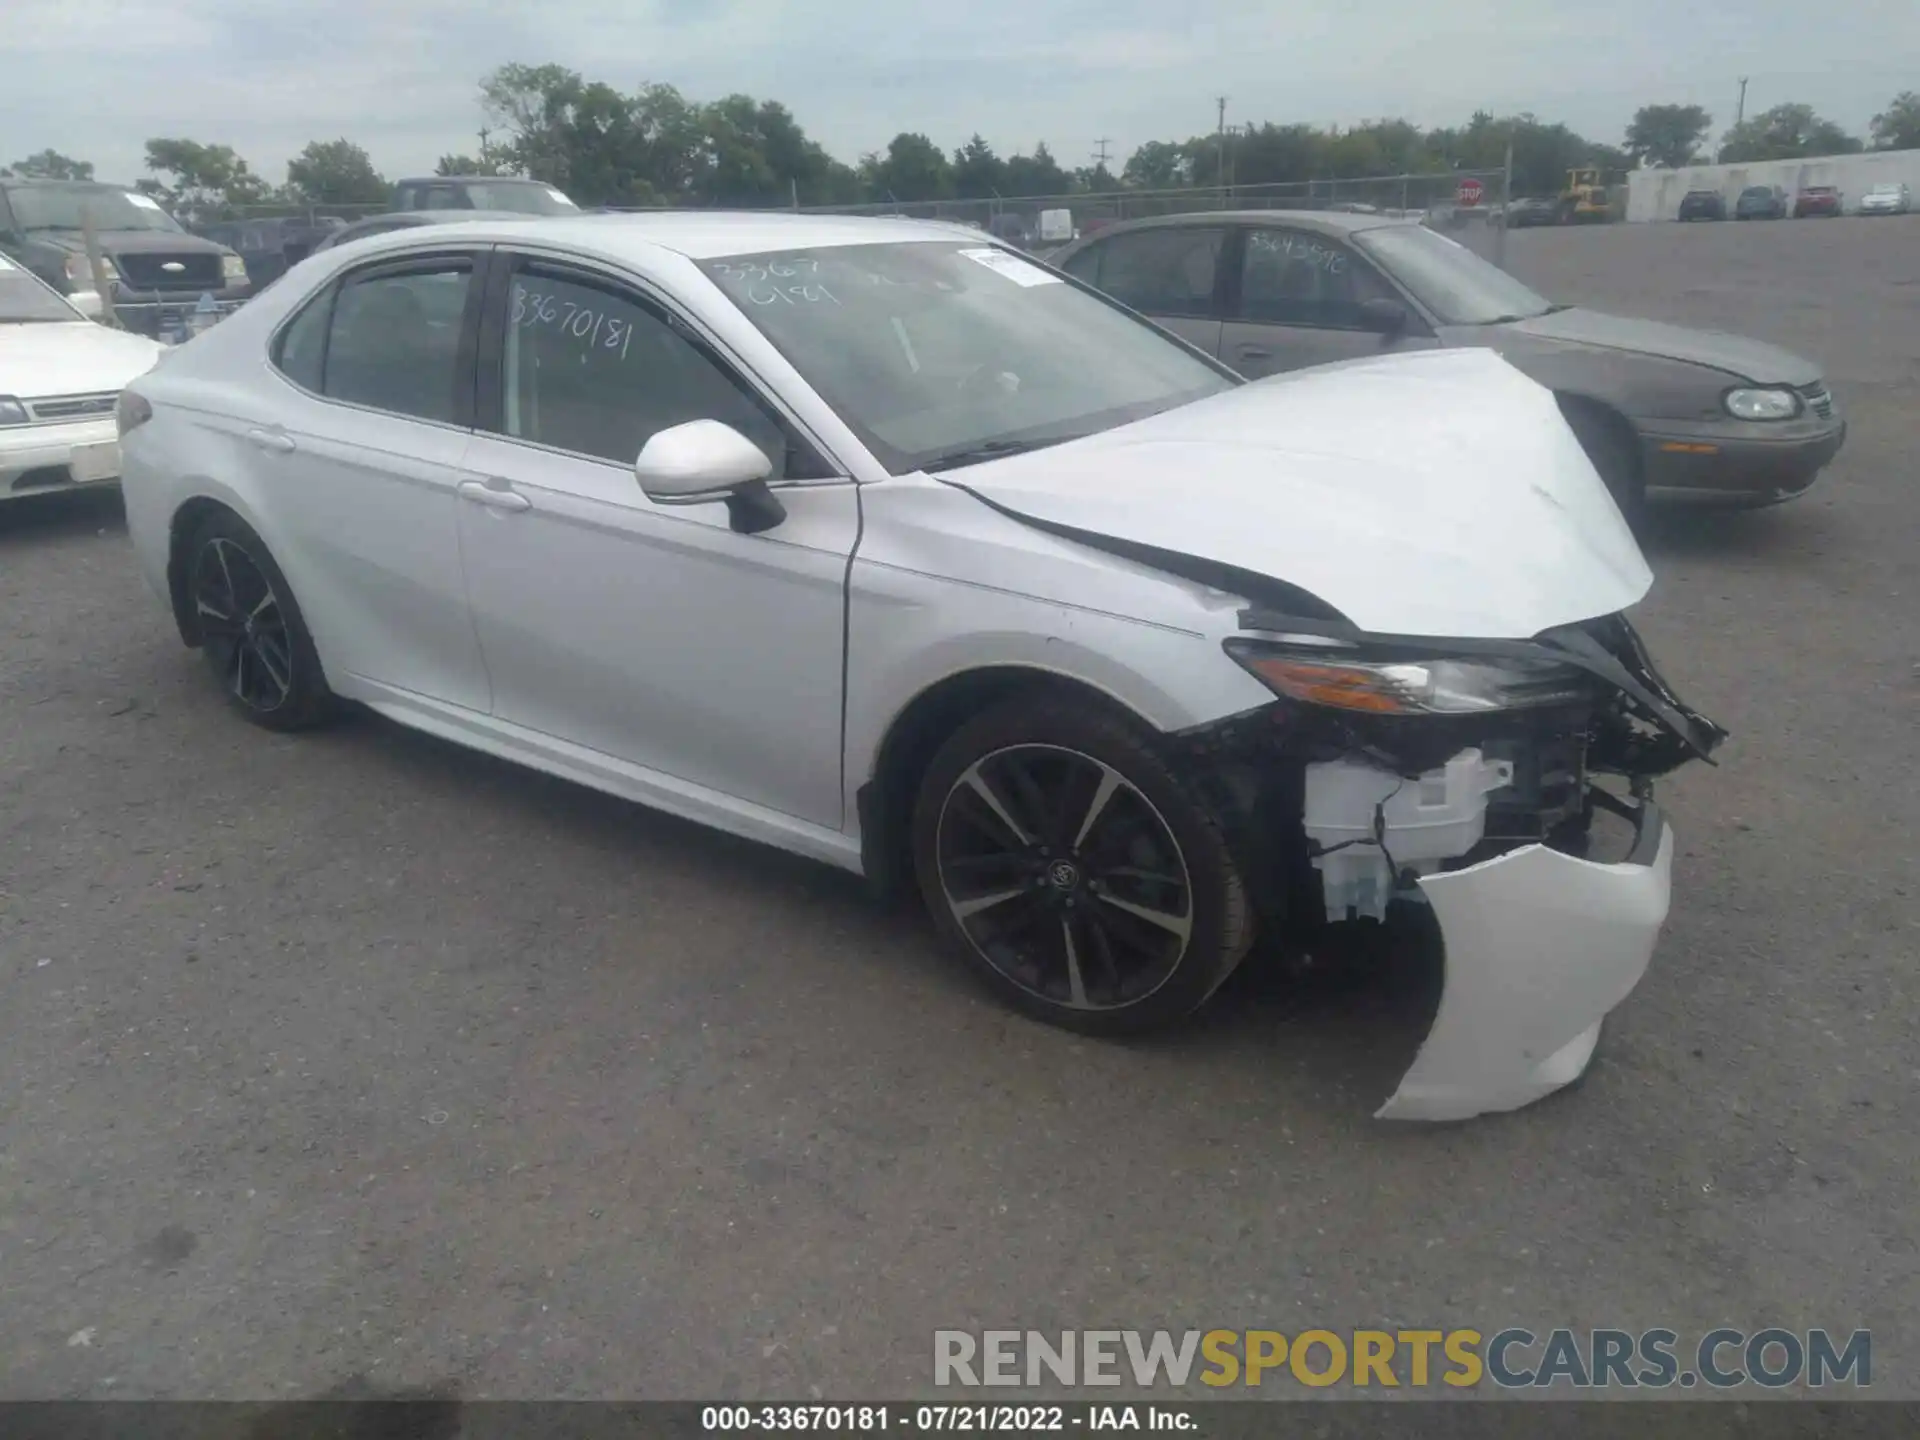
point(943, 353)
point(1450, 280)
point(522, 199)
point(1884, 190)
point(59, 207)
point(25, 301)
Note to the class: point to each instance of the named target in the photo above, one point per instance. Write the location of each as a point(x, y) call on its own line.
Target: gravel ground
point(360, 1060)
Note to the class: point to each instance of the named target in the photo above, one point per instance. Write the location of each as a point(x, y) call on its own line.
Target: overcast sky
point(96, 78)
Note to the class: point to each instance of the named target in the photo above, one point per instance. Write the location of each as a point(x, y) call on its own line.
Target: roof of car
point(707, 234)
point(1332, 222)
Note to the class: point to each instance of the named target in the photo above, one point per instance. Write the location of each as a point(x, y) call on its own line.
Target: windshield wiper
point(991, 450)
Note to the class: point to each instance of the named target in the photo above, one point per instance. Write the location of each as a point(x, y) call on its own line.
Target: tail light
point(131, 411)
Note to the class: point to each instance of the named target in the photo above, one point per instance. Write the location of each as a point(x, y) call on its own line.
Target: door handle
point(495, 494)
point(274, 442)
point(1255, 352)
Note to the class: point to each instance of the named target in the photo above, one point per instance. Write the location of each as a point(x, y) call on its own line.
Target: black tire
point(1145, 884)
point(251, 631)
point(1610, 447)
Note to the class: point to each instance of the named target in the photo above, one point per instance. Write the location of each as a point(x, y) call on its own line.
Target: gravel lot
point(359, 1059)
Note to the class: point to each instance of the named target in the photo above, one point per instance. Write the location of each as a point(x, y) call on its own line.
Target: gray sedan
point(1663, 411)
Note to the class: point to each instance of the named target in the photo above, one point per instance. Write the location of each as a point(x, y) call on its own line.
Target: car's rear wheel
point(251, 630)
point(1067, 865)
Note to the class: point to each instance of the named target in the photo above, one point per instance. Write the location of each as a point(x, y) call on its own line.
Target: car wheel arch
point(189, 516)
point(917, 731)
point(1581, 409)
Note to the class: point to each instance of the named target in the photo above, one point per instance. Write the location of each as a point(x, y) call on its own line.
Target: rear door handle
point(274, 442)
point(495, 494)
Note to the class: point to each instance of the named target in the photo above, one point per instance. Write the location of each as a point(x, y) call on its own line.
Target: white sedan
point(60, 376)
point(874, 540)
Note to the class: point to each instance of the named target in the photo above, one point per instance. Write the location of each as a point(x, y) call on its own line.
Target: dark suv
point(481, 192)
point(158, 271)
point(1703, 205)
point(1761, 202)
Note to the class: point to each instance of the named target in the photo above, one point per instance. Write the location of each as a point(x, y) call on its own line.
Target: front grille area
point(1819, 399)
point(149, 272)
point(71, 407)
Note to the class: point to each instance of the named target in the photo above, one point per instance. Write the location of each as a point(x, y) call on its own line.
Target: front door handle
point(274, 442)
point(495, 494)
point(1255, 352)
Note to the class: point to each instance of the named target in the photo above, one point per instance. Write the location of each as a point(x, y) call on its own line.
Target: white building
point(1655, 194)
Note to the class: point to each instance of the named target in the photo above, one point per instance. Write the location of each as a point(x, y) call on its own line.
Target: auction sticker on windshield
point(1021, 272)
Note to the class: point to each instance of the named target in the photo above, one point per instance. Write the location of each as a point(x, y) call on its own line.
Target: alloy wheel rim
point(1064, 877)
point(242, 626)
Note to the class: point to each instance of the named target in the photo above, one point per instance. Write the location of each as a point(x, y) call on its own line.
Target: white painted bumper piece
point(1539, 946)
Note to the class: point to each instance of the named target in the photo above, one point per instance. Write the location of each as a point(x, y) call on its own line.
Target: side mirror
point(1383, 317)
point(706, 460)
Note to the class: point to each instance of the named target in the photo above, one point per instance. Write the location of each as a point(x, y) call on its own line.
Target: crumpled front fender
point(1539, 946)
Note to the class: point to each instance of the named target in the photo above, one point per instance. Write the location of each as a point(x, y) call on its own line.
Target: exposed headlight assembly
point(1762, 404)
point(1410, 687)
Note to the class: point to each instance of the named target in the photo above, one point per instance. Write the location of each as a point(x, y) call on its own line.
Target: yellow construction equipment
point(1585, 199)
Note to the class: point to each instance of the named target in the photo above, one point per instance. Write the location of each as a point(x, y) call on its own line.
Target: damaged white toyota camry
point(877, 542)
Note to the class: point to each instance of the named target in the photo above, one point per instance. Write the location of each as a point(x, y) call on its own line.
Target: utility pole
point(1100, 153)
point(1222, 103)
point(1740, 110)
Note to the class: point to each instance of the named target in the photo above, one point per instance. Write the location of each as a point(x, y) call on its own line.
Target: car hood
point(135, 242)
point(80, 358)
point(1735, 354)
point(1432, 494)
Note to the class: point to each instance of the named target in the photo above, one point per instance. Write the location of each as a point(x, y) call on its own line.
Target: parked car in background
point(60, 376)
point(1661, 410)
point(1703, 205)
point(876, 541)
point(269, 247)
point(157, 270)
point(1532, 210)
point(482, 192)
point(1761, 202)
point(1817, 200)
point(409, 220)
point(1887, 198)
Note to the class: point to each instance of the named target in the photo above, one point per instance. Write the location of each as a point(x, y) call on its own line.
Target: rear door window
point(393, 339)
point(1170, 271)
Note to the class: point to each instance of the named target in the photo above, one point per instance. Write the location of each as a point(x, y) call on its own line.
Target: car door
point(359, 461)
point(1168, 272)
point(1296, 300)
point(655, 634)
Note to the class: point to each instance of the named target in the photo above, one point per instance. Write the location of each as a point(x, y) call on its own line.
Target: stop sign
point(1471, 191)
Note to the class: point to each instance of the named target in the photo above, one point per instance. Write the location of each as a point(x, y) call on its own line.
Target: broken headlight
point(1410, 687)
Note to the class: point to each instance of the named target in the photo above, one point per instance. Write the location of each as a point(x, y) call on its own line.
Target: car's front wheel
point(1066, 863)
point(251, 631)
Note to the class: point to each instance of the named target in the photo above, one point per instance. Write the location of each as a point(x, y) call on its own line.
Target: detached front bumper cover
point(1539, 946)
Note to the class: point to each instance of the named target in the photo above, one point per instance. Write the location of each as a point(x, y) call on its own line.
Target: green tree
point(1666, 135)
point(484, 164)
point(978, 173)
point(1895, 128)
point(914, 168)
point(335, 172)
point(52, 165)
point(1156, 165)
point(207, 181)
point(1786, 132)
point(1035, 174)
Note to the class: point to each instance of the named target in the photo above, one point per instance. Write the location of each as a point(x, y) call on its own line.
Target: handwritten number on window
point(594, 329)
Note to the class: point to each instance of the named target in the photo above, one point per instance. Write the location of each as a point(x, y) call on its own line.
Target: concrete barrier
point(1655, 194)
